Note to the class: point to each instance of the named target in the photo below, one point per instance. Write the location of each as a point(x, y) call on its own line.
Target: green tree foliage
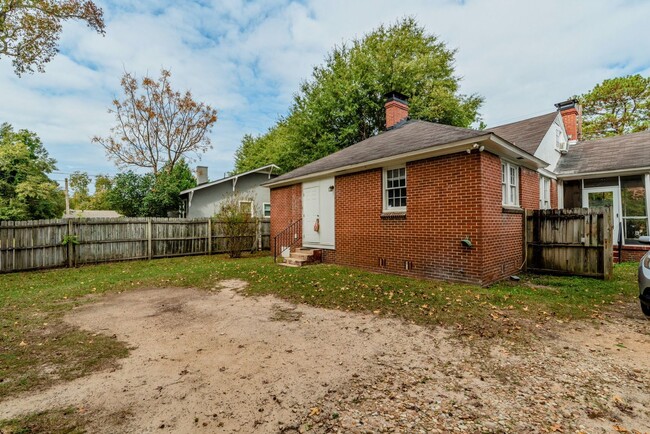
point(30, 29)
point(128, 193)
point(80, 198)
point(147, 195)
point(616, 106)
point(26, 191)
point(343, 102)
point(103, 185)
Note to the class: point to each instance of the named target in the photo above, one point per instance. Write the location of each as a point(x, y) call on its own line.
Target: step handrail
point(288, 238)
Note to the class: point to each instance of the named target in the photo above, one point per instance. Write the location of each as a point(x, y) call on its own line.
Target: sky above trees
point(247, 59)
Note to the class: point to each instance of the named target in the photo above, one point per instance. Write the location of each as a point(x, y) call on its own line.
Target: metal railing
point(285, 240)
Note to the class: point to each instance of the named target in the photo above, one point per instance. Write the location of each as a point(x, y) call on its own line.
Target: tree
point(164, 195)
point(616, 106)
point(343, 102)
point(103, 186)
point(26, 192)
point(155, 125)
point(147, 195)
point(80, 199)
point(128, 193)
point(30, 29)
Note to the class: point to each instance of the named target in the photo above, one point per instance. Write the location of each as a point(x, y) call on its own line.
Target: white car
point(644, 284)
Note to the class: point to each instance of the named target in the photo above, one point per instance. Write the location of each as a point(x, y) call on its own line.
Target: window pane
point(633, 196)
point(635, 228)
point(513, 195)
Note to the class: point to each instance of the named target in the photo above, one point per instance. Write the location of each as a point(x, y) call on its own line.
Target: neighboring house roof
point(91, 214)
point(268, 169)
point(528, 133)
point(629, 151)
point(405, 138)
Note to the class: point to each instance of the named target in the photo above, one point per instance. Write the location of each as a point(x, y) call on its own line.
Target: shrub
point(238, 227)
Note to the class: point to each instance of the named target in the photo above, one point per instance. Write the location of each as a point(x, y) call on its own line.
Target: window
point(635, 212)
point(395, 189)
point(246, 207)
point(560, 141)
point(509, 184)
point(544, 192)
point(267, 209)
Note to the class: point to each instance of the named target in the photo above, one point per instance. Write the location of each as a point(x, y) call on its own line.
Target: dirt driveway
point(221, 362)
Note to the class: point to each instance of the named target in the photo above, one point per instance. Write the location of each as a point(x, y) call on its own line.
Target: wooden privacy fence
point(40, 244)
point(570, 241)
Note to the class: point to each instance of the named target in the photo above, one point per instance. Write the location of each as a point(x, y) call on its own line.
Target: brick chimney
point(572, 117)
point(397, 109)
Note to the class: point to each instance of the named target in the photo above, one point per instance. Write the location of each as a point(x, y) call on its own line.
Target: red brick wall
point(286, 208)
point(502, 249)
point(632, 253)
point(443, 207)
point(528, 187)
point(449, 198)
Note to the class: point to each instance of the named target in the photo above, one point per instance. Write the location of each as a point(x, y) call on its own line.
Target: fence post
point(209, 235)
point(149, 241)
point(70, 245)
point(527, 212)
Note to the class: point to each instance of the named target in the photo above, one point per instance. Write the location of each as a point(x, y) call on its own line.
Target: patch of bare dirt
point(222, 362)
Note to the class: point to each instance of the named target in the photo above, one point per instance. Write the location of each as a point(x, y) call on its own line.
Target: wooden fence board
point(570, 241)
point(29, 245)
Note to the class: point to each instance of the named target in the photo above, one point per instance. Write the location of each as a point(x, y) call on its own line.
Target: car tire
point(644, 307)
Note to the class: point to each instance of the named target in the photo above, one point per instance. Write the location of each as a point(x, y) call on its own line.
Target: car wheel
point(644, 307)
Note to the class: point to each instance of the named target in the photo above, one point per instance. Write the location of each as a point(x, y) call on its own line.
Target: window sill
point(393, 215)
point(506, 209)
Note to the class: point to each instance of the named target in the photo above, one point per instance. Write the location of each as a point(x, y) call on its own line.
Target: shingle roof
point(526, 134)
point(628, 151)
point(409, 136)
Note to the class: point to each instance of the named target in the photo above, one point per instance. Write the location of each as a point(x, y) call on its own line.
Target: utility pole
point(67, 198)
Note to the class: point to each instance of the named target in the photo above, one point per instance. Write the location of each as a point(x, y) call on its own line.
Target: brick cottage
point(430, 200)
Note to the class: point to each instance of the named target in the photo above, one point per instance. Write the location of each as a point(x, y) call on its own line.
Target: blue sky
point(247, 58)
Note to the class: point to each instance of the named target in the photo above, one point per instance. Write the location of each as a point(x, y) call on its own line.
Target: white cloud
point(247, 58)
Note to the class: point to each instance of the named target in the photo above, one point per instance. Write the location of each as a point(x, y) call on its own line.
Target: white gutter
point(603, 173)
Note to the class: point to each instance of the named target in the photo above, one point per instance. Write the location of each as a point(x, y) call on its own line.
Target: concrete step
point(295, 261)
point(286, 264)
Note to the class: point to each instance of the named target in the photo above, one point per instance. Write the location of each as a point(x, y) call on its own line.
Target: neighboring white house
point(204, 199)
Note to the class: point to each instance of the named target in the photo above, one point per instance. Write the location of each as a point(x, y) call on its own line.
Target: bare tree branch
point(156, 126)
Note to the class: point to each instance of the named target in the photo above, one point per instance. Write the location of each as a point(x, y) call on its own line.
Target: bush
point(239, 228)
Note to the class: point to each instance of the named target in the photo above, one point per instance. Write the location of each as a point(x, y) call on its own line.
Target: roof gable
point(268, 169)
point(526, 134)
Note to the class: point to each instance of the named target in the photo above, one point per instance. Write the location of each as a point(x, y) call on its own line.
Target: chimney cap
point(568, 104)
point(396, 96)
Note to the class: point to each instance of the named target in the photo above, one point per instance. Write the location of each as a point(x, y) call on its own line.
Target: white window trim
point(544, 192)
point(252, 207)
point(384, 190)
point(505, 180)
point(264, 209)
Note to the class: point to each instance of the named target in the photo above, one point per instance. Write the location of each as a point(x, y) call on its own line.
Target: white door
point(318, 214)
point(604, 196)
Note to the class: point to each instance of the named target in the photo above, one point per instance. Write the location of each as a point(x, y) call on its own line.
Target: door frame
point(326, 214)
point(616, 206)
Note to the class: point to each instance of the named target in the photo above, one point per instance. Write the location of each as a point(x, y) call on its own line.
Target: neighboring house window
point(395, 189)
point(509, 184)
point(560, 140)
point(544, 192)
point(246, 207)
point(267, 209)
point(635, 211)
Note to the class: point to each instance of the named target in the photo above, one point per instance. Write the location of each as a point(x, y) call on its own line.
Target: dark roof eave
point(494, 143)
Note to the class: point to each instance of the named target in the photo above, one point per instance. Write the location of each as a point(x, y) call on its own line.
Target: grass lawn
point(37, 349)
